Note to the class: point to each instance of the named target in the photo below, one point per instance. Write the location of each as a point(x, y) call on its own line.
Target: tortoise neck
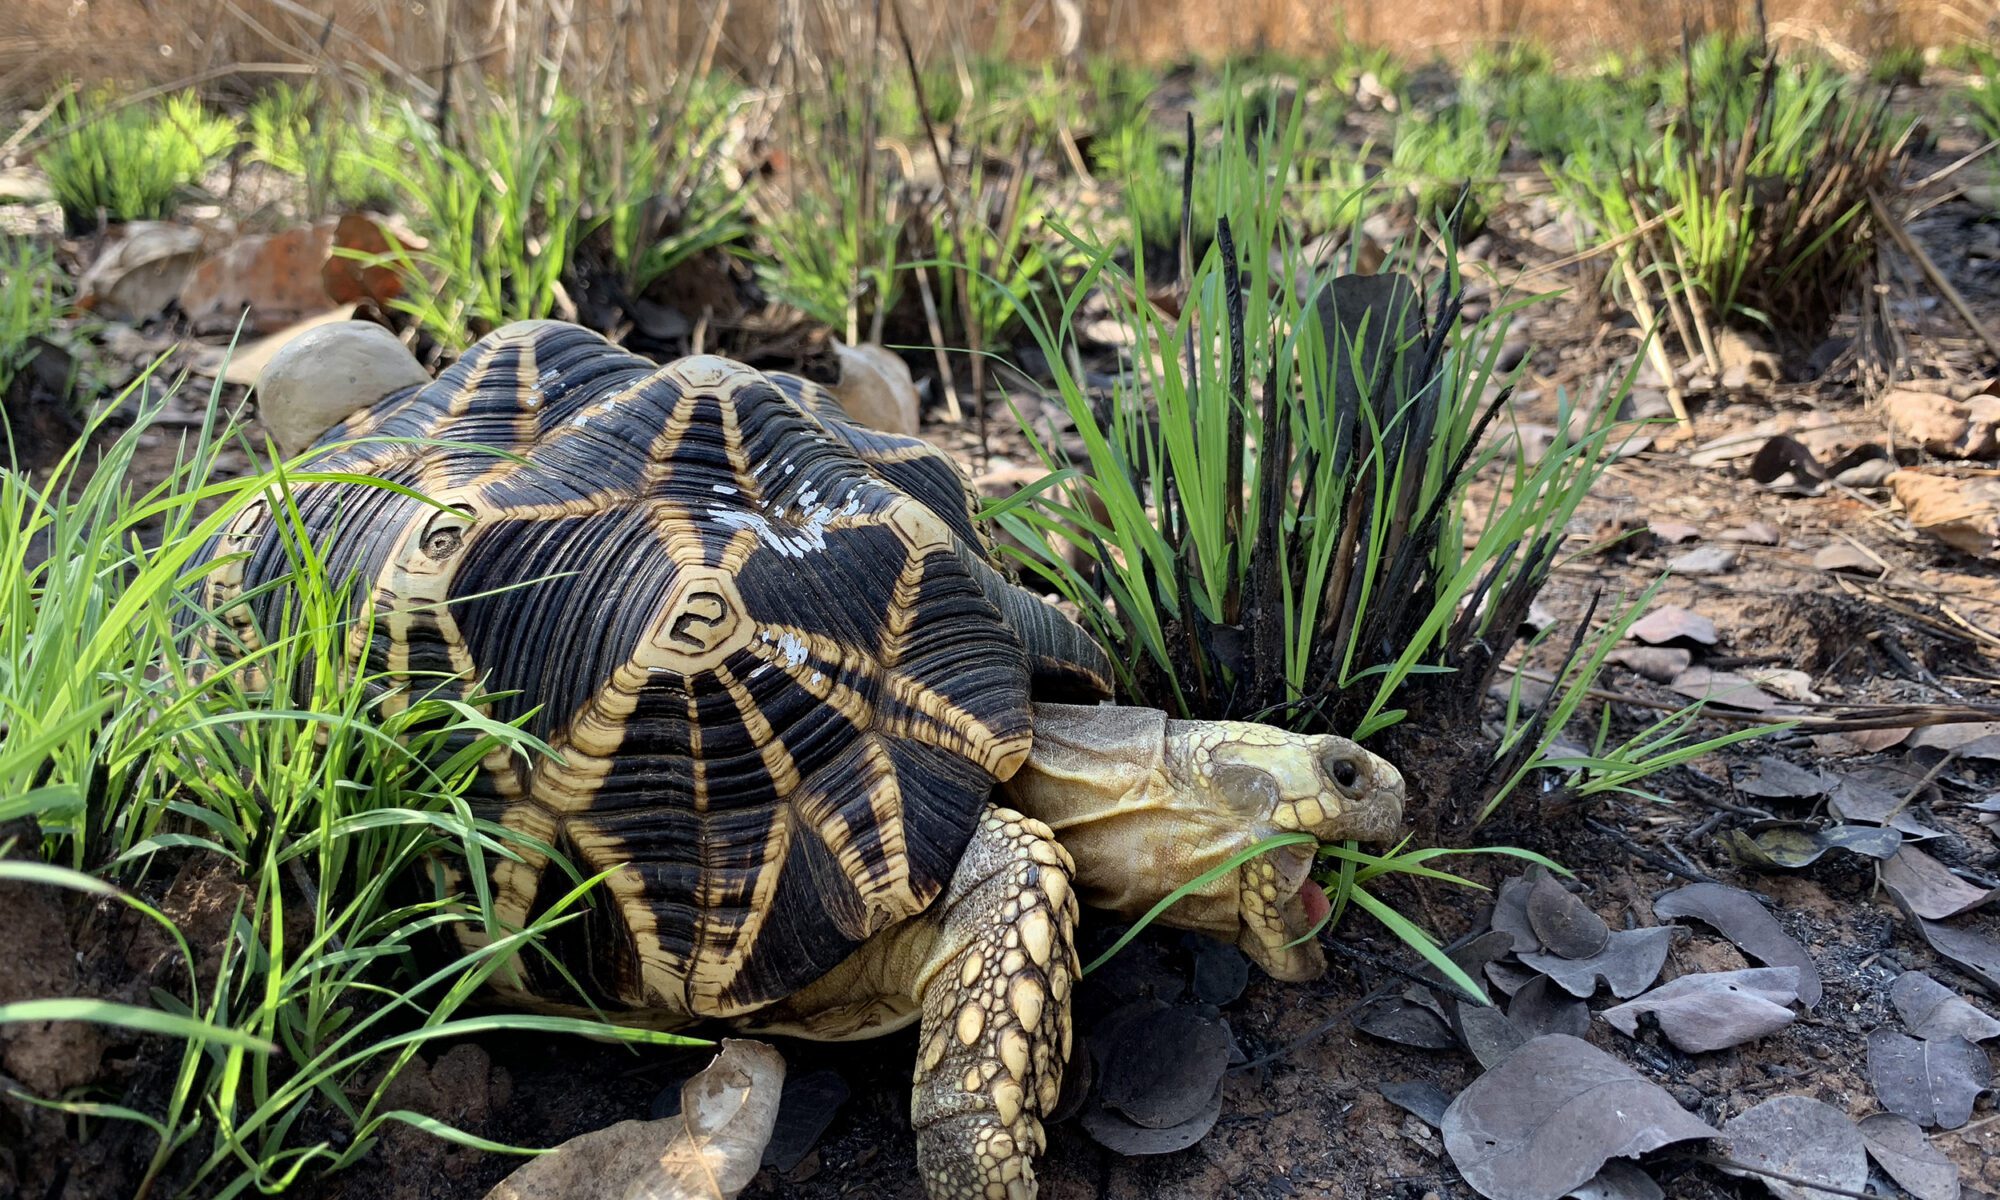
point(1105, 779)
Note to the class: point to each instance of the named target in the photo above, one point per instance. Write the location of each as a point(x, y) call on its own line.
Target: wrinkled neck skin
point(1146, 804)
point(1108, 782)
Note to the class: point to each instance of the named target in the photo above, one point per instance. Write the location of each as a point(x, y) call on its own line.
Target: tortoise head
point(1148, 806)
point(1277, 783)
point(327, 374)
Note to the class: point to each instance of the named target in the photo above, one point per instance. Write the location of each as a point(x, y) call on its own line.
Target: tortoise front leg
point(996, 1019)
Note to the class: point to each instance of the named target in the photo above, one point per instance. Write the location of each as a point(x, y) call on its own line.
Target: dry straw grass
point(218, 43)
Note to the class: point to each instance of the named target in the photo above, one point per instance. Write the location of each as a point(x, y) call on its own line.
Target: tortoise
point(842, 773)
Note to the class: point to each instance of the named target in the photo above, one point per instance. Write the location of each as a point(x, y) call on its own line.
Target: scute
point(778, 693)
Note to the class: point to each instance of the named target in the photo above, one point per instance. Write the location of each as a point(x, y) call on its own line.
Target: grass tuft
point(130, 162)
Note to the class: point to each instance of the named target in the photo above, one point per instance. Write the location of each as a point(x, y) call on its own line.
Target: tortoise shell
point(778, 673)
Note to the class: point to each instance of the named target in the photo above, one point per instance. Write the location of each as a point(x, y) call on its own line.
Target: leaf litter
point(1799, 1137)
point(1546, 1120)
point(1715, 1010)
point(1933, 1082)
point(1931, 1010)
point(1900, 1148)
point(1737, 915)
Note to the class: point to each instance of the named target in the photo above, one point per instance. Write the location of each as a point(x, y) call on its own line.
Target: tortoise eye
point(1346, 775)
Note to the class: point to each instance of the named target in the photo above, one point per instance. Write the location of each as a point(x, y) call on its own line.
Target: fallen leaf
point(1961, 513)
point(1943, 426)
point(1510, 978)
point(1788, 848)
point(1400, 1020)
point(1161, 1069)
point(708, 1151)
point(805, 1109)
point(1544, 1122)
point(1785, 464)
point(1930, 1081)
point(136, 276)
point(1716, 1010)
point(1671, 623)
point(349, 279)
point(1859, 798)
point(1737, 915)
point(1673, 533)
point(1721, 687)
point(1486, 1032)
point(1114, 1132)
point(274, 278)
point(1785, 683)
point(1931, 1010)
point(1899, 1147)
point(1510, 912)
point(1756, 533)
point(1657, 663)
point(1562, 922)
point(1845, 559)
point(1221, 972)
point(1927, 887)
point(244, 362)
point(1419, 1097)
point(1775, 779)
point(1630, 961)
point(1973, 953)
point(1801, 1137)
point(1539, 1006)
point(1966, 738)
point(1619, 1180)
point(876, 389)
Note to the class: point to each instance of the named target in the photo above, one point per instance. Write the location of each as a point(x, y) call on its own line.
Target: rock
point(876, 389)
point(1705, 560)
point(320, 378)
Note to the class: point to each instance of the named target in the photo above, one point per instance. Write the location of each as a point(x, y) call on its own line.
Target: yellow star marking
point(919, 712)
point(880, 873)
point(723, 946)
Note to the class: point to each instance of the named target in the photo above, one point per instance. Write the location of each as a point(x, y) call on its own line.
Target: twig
point(1644, 855)
point(1858, 717)
point(1908, 245)
point(1943, 173)
point(1717, 1160)
point(952, 409)
point(1655, 350)
point(1640, 230)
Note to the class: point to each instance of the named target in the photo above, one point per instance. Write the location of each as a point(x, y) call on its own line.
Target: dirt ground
point(1308, 1119)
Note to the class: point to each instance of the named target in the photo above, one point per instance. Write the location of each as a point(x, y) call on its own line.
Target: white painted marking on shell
point(795, 650)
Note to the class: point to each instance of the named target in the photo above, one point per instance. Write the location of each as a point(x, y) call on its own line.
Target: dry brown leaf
point(1961, 513)
point(351, 280)
point(244, 362)
point(1941, 425)
point(139, 274)
point(709, 1151)
point(1672, 623)
point(274, 278)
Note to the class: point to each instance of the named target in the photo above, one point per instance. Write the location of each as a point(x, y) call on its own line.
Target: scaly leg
point(996, 1012)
